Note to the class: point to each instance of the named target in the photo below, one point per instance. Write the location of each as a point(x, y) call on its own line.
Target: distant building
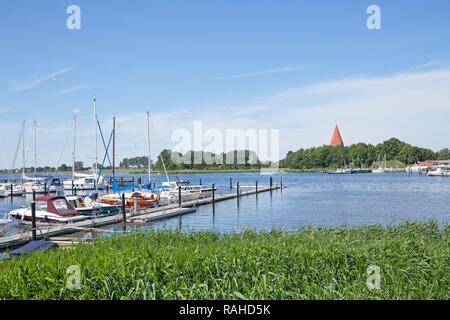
point(336, 139)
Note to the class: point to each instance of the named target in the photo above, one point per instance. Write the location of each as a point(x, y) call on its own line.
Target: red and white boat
point(49, 209)
point(144, 199)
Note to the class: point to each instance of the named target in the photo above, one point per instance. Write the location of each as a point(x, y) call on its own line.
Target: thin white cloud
point(86, 86)
point(264, 72)
point(36, 82)
point(72, 89)
point(5, 110)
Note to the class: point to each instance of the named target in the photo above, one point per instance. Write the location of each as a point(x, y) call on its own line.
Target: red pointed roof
point(336, 139)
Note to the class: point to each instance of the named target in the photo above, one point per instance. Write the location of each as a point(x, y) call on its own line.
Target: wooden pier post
point(271, 183)
point(238, 191)
point(200, 181)
point(139, 181)
point(33, 221)
point(72, 188)
point(124, 214)
point(179, 196)
point(281, 183)
point(34, 195)
point(11, 192)
point(256, 186)
point(231, 184)
point(213, 193)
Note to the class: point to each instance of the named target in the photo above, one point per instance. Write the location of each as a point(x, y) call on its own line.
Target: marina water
point(310, 199)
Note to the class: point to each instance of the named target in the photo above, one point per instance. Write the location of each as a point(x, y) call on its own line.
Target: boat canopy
point(58, 205)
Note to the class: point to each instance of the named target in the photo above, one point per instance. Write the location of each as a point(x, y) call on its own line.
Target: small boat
point(141, 198)
point(17, 189)
point(85, 182)
point(439, 172)
point(202, 191)
point(88, 207)
point(342, 171)
point(379, 170)
point(173, 195)
point(49, 209)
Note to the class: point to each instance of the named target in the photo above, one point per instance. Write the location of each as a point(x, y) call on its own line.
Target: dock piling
point(213, 193)
point(11, 191)
point(179, 196)
point(271, 183)
point(34, 195)
point(124, 214)
point(231, 184)
point(237, 190)
point(33, 221)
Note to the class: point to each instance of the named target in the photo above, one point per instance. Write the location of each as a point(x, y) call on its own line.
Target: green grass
point(309, 264)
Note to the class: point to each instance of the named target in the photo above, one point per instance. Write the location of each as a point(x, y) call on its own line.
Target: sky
point(297, 66)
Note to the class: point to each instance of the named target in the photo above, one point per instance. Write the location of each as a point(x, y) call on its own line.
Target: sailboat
point(85, 181)
point(13, 188)
point(134, 195)
point(380, 169)
point(33, 184)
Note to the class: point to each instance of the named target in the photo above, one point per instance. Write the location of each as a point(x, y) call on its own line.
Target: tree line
point(360, 155)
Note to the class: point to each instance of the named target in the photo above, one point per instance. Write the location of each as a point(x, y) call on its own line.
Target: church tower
point(336, 139)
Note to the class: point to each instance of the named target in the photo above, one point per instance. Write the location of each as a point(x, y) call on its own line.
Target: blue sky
point(298, 66)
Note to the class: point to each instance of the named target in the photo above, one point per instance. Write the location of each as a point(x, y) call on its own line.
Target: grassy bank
point(309, 264)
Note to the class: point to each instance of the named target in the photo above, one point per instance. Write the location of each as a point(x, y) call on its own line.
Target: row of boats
point(72, 208)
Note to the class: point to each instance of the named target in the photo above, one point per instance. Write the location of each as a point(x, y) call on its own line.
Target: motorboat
point(6, 191)
point(342, 171)
point(142, 199)
point(173, 195)
point(89, 207)
point(85, 182)
point(439, 172)
point(49, 209)
point(200, 190)
point(379, 170)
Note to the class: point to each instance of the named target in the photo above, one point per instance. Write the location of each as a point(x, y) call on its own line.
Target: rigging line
point(64, 147)
point(19, 142)
point(106, 155)
point(104, 143)
point(162, 158)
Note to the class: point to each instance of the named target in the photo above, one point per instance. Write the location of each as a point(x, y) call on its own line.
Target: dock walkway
point(45, 231)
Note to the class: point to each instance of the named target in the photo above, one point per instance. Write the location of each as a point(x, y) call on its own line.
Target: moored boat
point(16, 190)
point(49, 209)
point(88, 207)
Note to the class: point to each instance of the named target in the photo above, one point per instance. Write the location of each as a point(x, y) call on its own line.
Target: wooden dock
point(45, 231)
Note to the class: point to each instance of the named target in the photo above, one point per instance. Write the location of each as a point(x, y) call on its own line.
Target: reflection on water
point(310, 200)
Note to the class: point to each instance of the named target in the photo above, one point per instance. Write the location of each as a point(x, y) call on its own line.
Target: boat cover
point(33, 246)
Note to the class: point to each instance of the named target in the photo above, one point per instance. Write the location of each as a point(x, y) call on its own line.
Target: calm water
point(310, 200)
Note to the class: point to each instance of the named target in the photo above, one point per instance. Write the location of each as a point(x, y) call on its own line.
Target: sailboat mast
point(96, 144)
point(35, 146)
point(148, 140)
point(114, 150)
point(23, 149)
point(74, 145)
